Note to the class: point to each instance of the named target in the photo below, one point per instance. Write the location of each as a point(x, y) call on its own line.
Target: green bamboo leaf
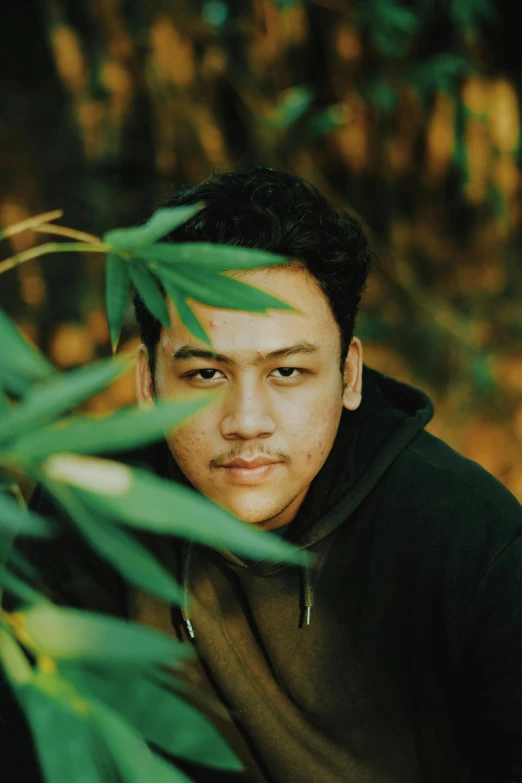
point(64, 738)
point(5, 405)
point(135, 563)
point(482, 371)
point(285, 5)
point(208, 256)
point(470, 14)
point(18, 357)
point(327, 120)
point(16, 520)
point(140, 499)
point(382, 94)
point(292, 105)
point(14, 383)
point(390, 23)
point(59, 395)
point(19, 588)
point(117, 432)
point(221, 291)
point(162, 222)
point(13, 659)
point(20, 563)
point(441, 72)
point(187, 316)
point(117, 289)
point(153, 710)
point(146, 285)
point(76, 634)
point(133, 758)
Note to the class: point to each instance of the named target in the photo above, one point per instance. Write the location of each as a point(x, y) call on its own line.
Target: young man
point(398, 657)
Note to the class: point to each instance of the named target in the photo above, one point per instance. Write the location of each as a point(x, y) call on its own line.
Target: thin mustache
point(217, 462)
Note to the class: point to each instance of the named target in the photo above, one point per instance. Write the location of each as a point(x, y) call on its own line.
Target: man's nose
point(247, 414)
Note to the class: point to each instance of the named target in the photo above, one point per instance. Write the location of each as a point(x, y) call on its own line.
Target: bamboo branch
point(52, 247)
point(31, 222)
point(72, 233)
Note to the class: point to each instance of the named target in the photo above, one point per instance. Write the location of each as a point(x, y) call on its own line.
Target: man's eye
point(287, 372)
point(205, 375)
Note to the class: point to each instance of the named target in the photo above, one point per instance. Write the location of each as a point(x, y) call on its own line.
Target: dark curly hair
point(272, 210)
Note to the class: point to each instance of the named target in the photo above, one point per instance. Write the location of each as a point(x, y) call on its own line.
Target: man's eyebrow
point(187, 352)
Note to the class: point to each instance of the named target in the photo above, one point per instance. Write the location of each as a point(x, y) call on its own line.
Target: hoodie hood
point(368, 440)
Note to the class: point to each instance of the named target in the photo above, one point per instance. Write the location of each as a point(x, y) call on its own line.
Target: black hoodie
point(397, 658)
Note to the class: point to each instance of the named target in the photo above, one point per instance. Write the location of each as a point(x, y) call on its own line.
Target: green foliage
point(216, 289)
point(140, 499)
point(460, 152)
point(13, 659)
point(49, 720)
point(285, 5)
point(17, 520)
point(73, 634)
point(117, 289)
point(127, 556)
point(482, 370)
point(59, 395)
point(382, 94)
point(184, 270)
point(150, 292)
point(149, 707)
point(141, 764)
point(496, 201)
point(441, 72)
point(187, 316)
point(390, 23)
point(103, 717)
point(207, 257)
point(326, 121)
point(99, 743)
point(18, 587)
point(469, 14)
point(122, 430)
point(21, 363)
point(4, 405)
point(215, 13)
point(293, 104)
point(19, 563)
point(162, 222)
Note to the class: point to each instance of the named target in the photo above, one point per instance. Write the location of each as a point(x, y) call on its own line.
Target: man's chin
point(252, 517)
point(269, 516)
point(261, 508)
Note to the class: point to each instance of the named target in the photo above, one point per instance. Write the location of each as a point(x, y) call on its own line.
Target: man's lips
point(249, 464)
point(242, 471)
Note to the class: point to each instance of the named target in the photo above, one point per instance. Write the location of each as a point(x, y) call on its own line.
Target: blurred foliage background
point(406, 113)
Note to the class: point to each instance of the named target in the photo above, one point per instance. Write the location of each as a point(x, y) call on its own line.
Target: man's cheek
point(191, 445)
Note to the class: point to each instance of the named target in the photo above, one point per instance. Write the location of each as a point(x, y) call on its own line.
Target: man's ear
point(144, 385)
point(353, 366)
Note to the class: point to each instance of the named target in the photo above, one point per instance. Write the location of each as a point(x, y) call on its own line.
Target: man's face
point(282, 398)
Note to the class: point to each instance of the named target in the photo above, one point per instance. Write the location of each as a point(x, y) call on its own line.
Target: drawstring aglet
point(190, 629)
point(308, 615)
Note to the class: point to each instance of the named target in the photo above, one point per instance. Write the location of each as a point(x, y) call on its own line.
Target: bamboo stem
point(63, 231)
point(52, 247)
point(31, 222)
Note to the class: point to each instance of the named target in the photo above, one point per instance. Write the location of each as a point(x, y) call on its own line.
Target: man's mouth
point(242, 471)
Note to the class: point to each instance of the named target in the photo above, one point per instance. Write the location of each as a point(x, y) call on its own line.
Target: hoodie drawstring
point(308, 594)
point(185, 609)
point(306, 586)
